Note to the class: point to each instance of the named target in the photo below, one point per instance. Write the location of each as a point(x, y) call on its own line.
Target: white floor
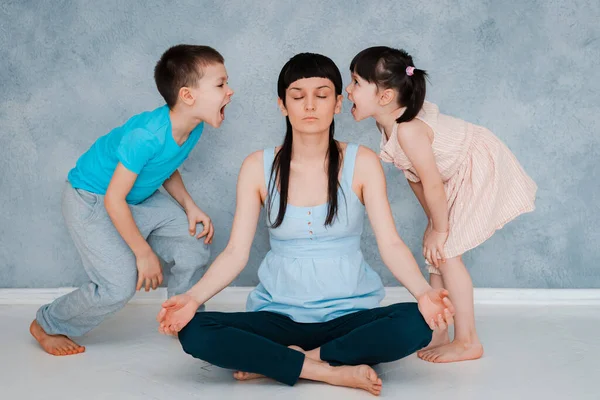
point(531, 353)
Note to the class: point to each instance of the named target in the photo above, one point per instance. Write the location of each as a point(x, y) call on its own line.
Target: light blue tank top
point(315, 273)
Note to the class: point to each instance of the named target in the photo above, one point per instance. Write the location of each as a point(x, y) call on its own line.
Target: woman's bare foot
point(314, 354)
point(57, 345)
point(359, 377)
point(453, 352)
point(246, 376)
point(439, 338)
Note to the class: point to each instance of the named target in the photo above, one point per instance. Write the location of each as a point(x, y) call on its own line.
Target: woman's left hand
point(433, 246)
point(176, 313)
point(436, 308)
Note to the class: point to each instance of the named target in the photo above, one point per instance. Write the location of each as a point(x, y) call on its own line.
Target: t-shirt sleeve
point(136, 149)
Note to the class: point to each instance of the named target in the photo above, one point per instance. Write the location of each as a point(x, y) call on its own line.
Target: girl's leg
point(466, 345)
point(440, 337)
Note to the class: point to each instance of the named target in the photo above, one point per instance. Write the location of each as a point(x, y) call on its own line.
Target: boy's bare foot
point(246, 376)
point(439, 338)
point(453, 352)
point(359, 377)
point(57, 345)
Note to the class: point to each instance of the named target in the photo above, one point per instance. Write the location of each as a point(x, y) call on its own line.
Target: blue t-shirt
point(144, 145)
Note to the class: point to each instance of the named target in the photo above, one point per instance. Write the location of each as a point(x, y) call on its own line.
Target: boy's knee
point(119, 295)
point(194, 249)
point(121, 291)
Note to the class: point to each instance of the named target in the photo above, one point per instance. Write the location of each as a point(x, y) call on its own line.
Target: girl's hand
point(433, 245)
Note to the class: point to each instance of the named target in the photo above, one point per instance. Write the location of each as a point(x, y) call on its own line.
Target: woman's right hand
point(176, 313)
point(436, 308)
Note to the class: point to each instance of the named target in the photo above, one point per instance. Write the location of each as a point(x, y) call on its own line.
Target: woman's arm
point(394, 252)
point(179, 310)
point(433, 304)
point(228, 265)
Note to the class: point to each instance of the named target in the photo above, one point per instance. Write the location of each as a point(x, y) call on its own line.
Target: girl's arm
point(417, 189)
point(414, 141)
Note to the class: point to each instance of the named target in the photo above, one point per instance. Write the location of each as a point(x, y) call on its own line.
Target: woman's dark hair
point(305, 65)
point(387, 68)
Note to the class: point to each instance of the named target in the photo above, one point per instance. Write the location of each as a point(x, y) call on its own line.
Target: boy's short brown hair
point(180, 66)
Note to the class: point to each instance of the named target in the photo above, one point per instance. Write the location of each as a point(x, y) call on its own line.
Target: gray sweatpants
point(110, 263)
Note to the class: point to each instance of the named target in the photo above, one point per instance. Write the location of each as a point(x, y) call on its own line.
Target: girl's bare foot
point(246, 376)
point(453, 352)
point(439, 338)
point(57, 345)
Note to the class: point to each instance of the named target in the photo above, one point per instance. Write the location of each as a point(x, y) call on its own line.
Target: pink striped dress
point(485, 185)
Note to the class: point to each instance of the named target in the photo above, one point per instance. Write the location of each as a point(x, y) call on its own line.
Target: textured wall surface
point(529, 70)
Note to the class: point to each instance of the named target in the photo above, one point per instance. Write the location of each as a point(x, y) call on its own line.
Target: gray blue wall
point(72, 70)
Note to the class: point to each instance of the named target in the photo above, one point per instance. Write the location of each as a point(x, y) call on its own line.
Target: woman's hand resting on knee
point(436, 308)
point(176, 313)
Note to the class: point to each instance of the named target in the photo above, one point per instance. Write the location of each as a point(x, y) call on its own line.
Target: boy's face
point(211, 95)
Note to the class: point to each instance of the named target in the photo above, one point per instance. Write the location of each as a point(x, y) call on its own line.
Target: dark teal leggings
point(257, 341)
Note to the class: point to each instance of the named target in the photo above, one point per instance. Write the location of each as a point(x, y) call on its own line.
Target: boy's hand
point(196, 215)
point(149, 271)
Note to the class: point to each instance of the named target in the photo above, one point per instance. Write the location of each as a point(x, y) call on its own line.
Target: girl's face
point(310, 104)
point(364, 96)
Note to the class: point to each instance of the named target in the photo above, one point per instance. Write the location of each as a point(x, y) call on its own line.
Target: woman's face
point(310, 104)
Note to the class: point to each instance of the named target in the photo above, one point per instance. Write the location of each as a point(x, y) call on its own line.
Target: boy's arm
point(175, 187)
point(118, 210)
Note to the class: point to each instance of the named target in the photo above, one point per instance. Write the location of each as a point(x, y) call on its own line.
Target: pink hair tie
point(410, 71)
